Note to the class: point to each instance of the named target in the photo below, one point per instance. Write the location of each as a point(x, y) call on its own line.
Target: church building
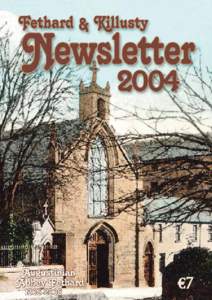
point(95, 218)
point(98, 237)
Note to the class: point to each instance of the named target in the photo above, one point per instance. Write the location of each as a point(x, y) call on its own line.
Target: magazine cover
point(106, 150)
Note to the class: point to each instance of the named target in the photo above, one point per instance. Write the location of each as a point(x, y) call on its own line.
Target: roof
point(160, 149)
point(169, 210)
point(67, 131)
point(35, 166)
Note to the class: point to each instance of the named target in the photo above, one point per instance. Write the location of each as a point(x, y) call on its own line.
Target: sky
point(180, 21)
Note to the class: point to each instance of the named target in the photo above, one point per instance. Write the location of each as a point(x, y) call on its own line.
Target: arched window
point(97, 179)
point(101, 110)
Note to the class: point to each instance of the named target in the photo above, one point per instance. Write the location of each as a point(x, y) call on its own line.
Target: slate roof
point(167, 210)
point(68, 131)
point(35, 166)
point(149, 150)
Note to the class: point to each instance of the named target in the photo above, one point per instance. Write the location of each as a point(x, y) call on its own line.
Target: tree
point(29, 103)
point(176, 163)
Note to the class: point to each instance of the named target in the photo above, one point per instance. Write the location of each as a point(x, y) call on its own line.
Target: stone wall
point(9, 276)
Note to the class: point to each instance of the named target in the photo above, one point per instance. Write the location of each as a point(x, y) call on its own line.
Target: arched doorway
point(149, 264)
point(101, 246)
point(46, 259)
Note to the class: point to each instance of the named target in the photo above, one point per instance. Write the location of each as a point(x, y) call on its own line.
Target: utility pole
point(136, 173)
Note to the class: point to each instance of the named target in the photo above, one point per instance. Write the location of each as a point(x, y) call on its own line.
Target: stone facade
point(110, 249)
point(71, 201)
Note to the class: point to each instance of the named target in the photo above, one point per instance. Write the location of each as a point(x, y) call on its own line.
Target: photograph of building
point(90, 211)
point(105, 150)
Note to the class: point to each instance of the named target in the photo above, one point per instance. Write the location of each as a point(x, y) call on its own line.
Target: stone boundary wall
point(10, 275)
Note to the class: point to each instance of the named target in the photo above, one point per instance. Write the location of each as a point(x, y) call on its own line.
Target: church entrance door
point(98, 255)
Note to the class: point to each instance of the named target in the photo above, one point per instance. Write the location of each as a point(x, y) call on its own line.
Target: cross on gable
point(45, 206)
point(94, 70)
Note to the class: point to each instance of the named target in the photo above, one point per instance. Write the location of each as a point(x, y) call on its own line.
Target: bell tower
point(94, 100)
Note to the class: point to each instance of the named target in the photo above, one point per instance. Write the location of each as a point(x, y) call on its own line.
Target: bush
point(191, 262)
